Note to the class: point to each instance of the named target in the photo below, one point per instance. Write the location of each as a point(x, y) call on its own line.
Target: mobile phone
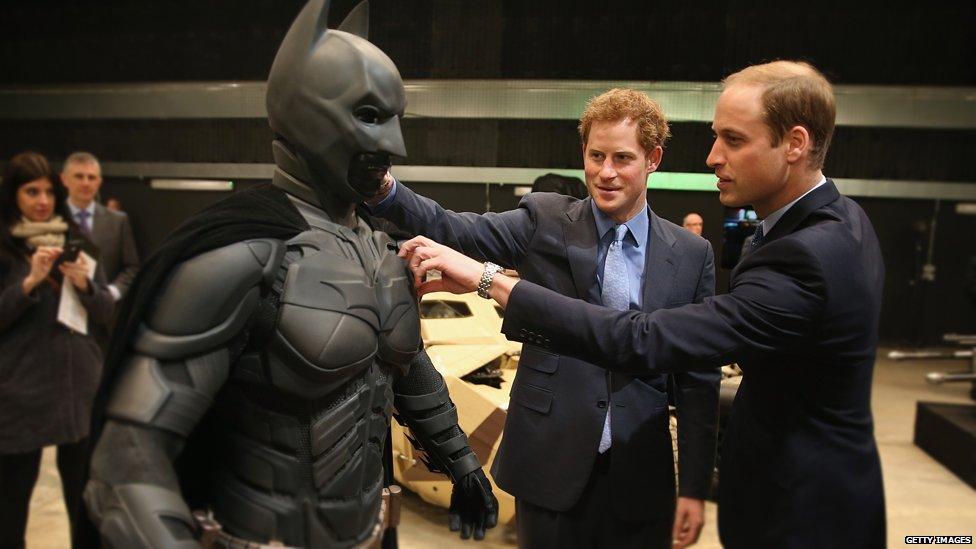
point(71, 250)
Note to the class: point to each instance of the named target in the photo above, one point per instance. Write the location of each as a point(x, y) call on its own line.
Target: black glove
point(474, 507)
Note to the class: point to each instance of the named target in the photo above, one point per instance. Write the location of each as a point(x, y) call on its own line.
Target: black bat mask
point(336, 101)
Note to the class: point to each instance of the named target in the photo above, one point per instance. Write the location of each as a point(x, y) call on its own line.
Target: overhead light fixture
point(190, 185)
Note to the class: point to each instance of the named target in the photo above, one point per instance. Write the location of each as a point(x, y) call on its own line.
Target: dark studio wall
point(871, 42)
point(58, 42)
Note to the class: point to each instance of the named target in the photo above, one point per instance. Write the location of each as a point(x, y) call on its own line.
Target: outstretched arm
point(773, 305)
point(424, 405)
point(501, 237)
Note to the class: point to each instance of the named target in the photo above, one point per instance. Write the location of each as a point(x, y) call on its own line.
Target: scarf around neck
point(40, 233)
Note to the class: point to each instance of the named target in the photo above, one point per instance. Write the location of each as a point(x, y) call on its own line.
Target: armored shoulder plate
point(208, 299)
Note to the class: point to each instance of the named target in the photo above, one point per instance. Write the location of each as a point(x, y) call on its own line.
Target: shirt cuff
point(382, 205)
point(116, 294)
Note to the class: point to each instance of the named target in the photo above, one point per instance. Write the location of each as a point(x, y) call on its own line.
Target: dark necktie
point(616, 295)
point(757, 237)
point(83, 224)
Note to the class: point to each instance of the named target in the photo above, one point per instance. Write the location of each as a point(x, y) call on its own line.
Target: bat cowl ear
point(357, 22)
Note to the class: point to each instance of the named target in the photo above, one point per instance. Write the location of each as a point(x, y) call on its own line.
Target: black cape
point(260, 212)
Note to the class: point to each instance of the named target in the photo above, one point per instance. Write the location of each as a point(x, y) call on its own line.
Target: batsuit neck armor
point(334, 103)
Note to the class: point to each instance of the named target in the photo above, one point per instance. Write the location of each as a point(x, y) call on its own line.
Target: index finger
point(409, 246)
point(49, 249)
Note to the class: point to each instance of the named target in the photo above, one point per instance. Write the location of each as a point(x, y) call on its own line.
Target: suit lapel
point(100, 229)
point(818, 198)
point(100, 234)
point(579, 233)
point(660, 265)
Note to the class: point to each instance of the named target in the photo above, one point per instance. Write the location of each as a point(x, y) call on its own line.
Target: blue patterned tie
point(83, 216)
point(757, 238)
point(616, 294)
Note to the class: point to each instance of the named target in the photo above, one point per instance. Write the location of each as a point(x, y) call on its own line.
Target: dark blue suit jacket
point(558, 404)
point(799, 463)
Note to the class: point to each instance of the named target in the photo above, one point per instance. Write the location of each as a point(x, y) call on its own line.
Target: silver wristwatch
point(485, 283)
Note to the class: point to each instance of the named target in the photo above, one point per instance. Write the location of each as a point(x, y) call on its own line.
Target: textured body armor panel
point(302, 424)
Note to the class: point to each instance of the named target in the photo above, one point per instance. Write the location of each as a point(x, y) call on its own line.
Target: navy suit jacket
point(558, 403)
point(799, 464)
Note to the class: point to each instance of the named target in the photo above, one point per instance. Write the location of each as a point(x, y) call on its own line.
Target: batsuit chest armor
point(302, 424)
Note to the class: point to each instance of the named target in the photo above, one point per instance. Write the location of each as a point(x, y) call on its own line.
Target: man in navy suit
point(799, 466)
point(587, 453)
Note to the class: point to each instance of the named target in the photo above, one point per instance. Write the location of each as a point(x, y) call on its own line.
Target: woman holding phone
point(48, 371)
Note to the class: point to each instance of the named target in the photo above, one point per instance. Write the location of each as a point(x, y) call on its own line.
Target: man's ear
point(654, 159)
point(798, 144)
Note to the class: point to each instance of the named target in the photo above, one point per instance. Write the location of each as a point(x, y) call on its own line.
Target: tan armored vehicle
point(462, 334)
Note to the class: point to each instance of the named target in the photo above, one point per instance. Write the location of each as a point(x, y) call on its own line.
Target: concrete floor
point(923, 498)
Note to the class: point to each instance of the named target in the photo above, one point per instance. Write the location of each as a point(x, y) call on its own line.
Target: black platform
point(947, 432)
